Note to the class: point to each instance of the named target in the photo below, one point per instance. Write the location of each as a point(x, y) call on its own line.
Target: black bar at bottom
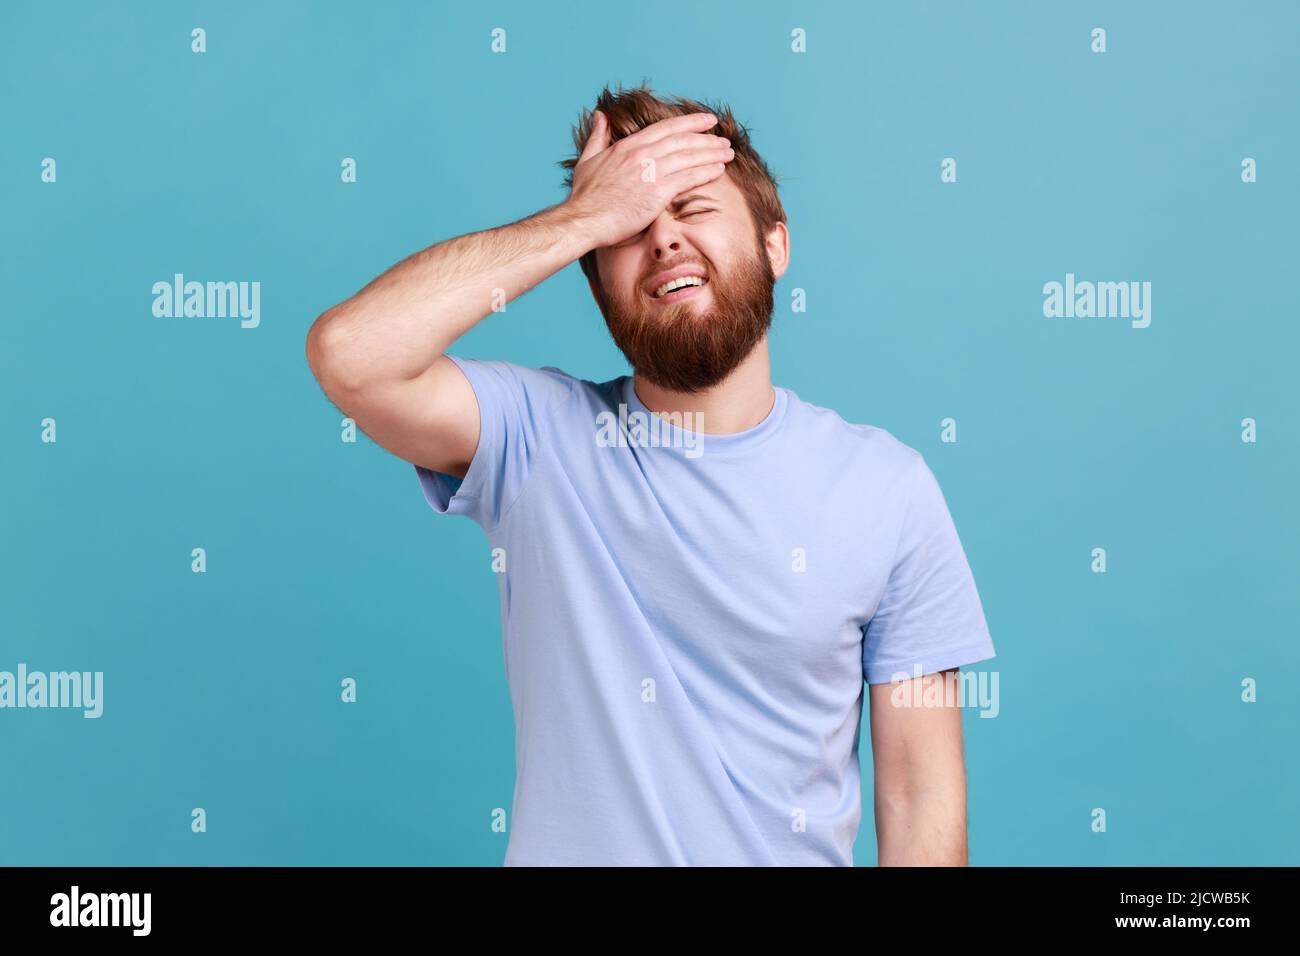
point(238, 904)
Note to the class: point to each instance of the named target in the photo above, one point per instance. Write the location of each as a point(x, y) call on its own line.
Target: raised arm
point(379, 355)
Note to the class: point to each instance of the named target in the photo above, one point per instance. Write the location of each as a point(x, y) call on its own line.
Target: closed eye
point(681, 215)
point(631, 239)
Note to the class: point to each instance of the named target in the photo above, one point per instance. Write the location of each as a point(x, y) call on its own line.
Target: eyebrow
point(677, 204)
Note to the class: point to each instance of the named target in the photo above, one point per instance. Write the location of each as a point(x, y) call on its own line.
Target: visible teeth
point(677, 284)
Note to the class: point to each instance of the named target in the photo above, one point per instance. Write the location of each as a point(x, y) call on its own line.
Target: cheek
point(723, 249)
point(618, 275)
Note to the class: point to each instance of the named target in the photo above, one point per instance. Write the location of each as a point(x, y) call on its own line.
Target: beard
point(684, 347)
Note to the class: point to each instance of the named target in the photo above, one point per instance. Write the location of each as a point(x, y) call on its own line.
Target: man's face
point(691, 338)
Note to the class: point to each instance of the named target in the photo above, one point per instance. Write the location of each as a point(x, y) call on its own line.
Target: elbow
point(316, 345)
point(325, 356)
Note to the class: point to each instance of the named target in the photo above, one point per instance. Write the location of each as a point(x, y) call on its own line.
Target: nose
point(665, 237)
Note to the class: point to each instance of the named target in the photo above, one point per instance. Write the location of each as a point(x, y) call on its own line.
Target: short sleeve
point(514, 404)
point(930, 617)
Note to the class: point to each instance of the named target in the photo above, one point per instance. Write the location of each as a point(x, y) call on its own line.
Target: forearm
point(398, 325)
point(922, 826)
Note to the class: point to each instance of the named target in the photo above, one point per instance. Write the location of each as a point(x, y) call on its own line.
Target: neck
point(739, 402)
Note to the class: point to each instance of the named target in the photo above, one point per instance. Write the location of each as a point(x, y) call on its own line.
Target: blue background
point(1118, 690)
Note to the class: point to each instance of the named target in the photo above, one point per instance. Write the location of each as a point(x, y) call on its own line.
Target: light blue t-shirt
point(688, 619)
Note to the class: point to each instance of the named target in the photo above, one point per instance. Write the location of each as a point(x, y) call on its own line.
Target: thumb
point(599, 138)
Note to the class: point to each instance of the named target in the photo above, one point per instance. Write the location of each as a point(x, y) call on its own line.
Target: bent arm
point(920, 775)
point(379, 355)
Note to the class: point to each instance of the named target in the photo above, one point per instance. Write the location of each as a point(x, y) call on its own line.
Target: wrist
point(577, 225)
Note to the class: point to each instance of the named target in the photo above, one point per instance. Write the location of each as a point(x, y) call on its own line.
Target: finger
point(689, 158)
point(679, 141)
point(695, 176)
point(690, 123)
point(598, 139)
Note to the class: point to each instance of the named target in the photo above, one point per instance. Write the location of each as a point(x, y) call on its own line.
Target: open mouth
point(682, 288)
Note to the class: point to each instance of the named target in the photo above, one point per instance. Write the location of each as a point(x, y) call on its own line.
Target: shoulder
point(541, 395)
point(535, 386)
point(853, 444)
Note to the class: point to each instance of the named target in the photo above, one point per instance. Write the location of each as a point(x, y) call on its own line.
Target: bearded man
point(694, 615)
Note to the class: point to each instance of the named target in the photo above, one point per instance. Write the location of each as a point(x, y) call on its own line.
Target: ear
point(778, 249)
